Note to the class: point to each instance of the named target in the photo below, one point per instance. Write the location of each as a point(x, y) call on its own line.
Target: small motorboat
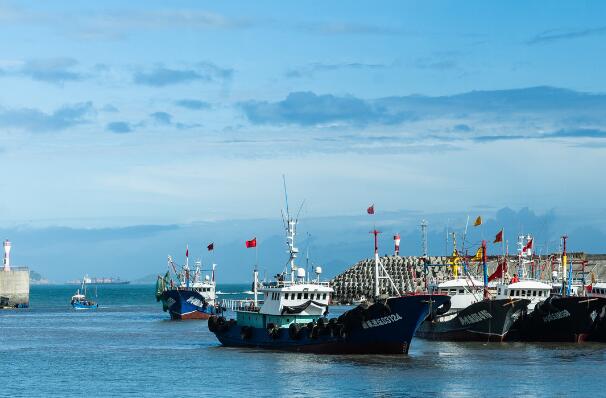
point(80, 301)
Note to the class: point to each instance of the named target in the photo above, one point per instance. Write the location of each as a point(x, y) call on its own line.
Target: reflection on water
point(130, 348)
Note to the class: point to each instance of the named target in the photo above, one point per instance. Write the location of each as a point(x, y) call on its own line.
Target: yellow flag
point(478, 255)
point(478, 221)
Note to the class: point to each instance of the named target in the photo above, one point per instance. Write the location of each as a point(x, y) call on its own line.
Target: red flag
point(371, 209)
point(499, 237)
point(211, 247)
point(528, 245)
point(499, 271)
point(251, 243)
point(187, 252)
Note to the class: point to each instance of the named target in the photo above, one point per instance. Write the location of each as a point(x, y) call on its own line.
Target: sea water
point(129, 347)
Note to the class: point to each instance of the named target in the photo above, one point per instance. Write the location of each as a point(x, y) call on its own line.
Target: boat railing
point(240, 304)
point(296, 283)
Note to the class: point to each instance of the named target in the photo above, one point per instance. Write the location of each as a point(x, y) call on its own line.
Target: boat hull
point(79, 306)
point(487, 320)
point(562, 319)
point(186, 304)
point(385, 328)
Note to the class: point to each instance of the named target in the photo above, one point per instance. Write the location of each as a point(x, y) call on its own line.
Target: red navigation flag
point(501, 269)
point(187, 251)
point(499, 237)
point(528, 245)
point(371, 209)
point(251, 243)
point(211, 247)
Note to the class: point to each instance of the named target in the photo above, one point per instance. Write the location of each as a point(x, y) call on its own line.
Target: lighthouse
point(7, 255)
point(396, 240)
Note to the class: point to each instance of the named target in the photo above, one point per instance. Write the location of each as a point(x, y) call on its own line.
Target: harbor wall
point(14, 286)
point(407, 273)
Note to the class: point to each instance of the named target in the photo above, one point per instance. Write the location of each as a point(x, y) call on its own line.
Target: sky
point(145, 114)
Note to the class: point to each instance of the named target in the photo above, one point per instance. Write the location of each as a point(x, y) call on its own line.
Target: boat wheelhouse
point(532, 290)
point(598, 289)
point(462, 291)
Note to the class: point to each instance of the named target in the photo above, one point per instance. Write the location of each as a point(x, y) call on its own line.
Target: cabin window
point(298, 296)
point(311, 296)
point(534, 293)
point(324, 296)
point(461, 291)
point(285, 296)
point(453, 291)
point(510, 293)
point(305, 296)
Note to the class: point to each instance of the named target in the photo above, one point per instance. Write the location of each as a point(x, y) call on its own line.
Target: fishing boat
point(192, 296)
point(293, 315)
point(563, 317)
point(472, 315)
point(79, 300)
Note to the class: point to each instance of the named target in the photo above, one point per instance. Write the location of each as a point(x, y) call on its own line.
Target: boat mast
point(485, 269)
point(291, 232)
point(377, 292)
point(564, 263)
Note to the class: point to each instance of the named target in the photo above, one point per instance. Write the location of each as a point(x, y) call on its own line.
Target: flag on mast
point(478, 221)
point(478, 256)
point(251, 243)
point(186, 251)
point(211, 247)
point(499, 237)
point(371, 209)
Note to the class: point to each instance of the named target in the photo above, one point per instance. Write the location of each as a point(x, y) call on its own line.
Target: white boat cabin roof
point(529, 284)
point(460, 282)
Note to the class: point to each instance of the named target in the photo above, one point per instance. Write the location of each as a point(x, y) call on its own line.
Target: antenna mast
point(424, 250)
point(291, 231)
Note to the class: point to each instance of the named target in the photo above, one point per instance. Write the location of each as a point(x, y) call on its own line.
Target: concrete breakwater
point(14, 288)
point(408, 274)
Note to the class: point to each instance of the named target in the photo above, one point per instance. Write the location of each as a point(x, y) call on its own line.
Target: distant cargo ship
point(98, 281)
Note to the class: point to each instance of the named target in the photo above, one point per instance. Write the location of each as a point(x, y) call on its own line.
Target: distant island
point(145, 280)
point(37, 279)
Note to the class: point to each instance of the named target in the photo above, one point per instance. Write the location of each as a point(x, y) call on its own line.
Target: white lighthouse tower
point(7, 255)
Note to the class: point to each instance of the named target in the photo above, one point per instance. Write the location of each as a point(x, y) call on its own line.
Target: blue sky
point(116, 114)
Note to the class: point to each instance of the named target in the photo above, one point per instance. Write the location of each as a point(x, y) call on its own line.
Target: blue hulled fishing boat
point(293, 314)
point(192, 297)
point(79, 300)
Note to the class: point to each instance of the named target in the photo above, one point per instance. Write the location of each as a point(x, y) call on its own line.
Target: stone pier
point(14, 288)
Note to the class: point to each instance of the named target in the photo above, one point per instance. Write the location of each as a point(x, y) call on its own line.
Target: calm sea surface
point(128, 347)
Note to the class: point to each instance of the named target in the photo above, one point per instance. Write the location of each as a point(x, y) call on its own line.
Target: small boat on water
point(79, 300)
point(193, 296)
point(293, 315)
